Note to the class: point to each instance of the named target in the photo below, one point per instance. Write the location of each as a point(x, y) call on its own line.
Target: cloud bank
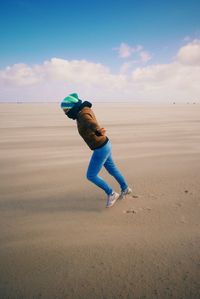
point(54, 78)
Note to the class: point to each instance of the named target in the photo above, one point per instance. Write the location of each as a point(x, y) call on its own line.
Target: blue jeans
point(103, 157)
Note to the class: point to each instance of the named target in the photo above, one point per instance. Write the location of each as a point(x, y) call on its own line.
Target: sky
point(103, 50)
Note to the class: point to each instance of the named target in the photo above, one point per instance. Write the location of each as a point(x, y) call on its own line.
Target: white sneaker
point(125, 192)
point(112, 199)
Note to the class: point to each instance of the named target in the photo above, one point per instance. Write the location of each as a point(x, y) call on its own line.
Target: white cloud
point(126, 67)
point(170, 81)
point(19, 75)
point(56, 76)
point(178, 80)
point(53, 79)
point(145, 56)
point(127, 51)
point(56, 69)
point(190, 53)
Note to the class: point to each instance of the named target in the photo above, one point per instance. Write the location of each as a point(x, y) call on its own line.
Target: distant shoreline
point(108, 102)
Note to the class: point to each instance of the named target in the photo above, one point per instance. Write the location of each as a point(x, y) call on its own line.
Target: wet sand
point(58, 240)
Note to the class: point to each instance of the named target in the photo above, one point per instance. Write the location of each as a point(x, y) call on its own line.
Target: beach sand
point(57, 239)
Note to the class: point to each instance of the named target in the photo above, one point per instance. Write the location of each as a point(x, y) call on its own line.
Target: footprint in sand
point(130, 211)
point(134, 211)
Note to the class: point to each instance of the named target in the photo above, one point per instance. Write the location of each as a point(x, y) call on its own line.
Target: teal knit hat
point(69, 101)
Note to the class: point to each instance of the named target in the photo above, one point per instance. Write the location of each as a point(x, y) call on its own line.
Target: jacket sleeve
point(90, 123)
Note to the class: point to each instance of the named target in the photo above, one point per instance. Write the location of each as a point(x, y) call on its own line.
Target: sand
point(57, 240)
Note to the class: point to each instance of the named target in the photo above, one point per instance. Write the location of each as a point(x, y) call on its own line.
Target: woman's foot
point(112, 198)
point(125, 192)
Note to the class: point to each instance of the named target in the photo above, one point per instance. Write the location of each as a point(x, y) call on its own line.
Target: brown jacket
point(87, 127)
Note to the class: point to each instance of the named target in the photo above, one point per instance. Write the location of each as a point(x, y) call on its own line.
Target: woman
point(96, 139)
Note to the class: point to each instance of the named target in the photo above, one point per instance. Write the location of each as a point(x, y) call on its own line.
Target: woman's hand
point(102, 131)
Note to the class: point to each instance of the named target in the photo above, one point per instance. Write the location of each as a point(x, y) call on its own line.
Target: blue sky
point(32, 32)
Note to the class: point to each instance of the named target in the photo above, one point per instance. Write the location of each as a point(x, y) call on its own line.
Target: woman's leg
point(114, 171)
point(97, 161)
